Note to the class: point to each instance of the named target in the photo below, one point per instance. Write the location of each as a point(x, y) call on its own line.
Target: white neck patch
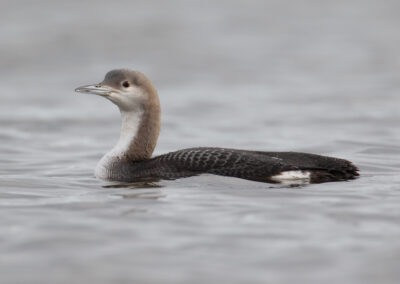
point(130, 125)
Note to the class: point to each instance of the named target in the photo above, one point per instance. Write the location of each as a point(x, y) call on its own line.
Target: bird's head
point(129, 90)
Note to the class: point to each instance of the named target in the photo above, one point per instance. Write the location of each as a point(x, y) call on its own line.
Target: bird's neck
point(139, 133)
point(138, 138)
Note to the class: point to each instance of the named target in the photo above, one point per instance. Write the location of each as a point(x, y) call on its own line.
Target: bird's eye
point(125, 84)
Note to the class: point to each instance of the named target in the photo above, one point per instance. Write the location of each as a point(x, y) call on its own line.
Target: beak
point(94, 89)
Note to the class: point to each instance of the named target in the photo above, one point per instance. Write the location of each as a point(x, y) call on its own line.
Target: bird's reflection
point(144, 189)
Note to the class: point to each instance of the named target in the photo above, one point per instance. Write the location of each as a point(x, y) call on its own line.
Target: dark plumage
point(130, 160)
point(251, 165)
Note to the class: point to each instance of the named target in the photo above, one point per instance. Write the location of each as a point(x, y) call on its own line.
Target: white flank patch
point(292, 177)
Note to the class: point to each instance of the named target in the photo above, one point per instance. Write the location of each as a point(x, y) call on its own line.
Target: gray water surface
point(313, 76)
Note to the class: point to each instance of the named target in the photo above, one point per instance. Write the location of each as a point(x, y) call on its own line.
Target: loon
point(131, 159)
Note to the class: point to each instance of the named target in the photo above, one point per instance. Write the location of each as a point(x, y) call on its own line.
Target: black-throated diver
point(130, 160)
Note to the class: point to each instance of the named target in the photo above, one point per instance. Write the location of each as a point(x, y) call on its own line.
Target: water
point(313, 76)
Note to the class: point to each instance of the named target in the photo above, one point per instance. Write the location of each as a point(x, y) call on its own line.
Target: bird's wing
point(220, 161)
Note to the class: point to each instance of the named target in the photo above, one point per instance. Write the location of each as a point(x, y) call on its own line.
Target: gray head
point(138, 102)
point(128, 89)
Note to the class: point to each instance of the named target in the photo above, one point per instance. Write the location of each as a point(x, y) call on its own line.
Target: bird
point(131, 160)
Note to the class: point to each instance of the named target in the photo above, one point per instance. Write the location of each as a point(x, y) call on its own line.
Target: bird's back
point(251, 165)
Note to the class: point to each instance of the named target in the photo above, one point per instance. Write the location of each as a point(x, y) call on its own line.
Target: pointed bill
point(94, 89)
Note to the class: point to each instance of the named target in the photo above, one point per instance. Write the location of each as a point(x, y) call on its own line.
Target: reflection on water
point(139, 190)
point(143, 194)
point(134, 185)
point(316, 76)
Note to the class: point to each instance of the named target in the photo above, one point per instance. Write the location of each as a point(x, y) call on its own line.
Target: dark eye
point(125, 84)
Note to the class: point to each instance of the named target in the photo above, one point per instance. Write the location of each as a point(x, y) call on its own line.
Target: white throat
point(130, 124)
